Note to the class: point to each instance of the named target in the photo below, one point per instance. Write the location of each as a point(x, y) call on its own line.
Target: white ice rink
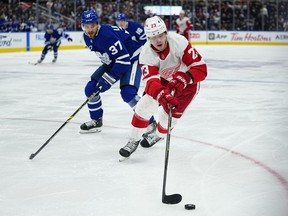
point(228, 155)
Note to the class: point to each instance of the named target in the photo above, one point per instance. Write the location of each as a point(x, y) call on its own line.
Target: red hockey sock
point(161, 129)
point(139, 122)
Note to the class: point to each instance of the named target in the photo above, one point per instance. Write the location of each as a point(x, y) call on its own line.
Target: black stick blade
point(32, 156)
point(172, 199)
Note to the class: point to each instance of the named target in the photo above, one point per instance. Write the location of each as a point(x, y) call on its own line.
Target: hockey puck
point(190, 206)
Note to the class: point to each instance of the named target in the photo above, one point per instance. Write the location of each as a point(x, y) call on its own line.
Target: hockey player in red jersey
point(172, 70)
point(183, 25)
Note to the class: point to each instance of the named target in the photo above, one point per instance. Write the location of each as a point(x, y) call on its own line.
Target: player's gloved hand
point(69, 39)
point(49, 47)
point(165, 98)
point(179, 82)
point(90, 88)
point(58, 42)
point(105, 82)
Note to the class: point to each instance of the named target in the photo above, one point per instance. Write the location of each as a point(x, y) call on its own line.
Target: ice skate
point(41, 59)
point(150, 138)
point(129, 148)
point(54, 60)
point(93, 126)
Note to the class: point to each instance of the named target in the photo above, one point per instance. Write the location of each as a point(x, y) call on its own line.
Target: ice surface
point(228, 155)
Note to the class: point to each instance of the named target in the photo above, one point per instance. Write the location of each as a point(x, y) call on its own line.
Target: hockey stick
point(173, 198)
point(31, 63)
point(68, 120)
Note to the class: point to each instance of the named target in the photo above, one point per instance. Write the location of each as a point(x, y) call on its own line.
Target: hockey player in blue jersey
point(119, 56)
point(53, 41)
point(134, 28)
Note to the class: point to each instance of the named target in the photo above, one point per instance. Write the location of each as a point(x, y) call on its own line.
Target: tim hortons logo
point(249, 37)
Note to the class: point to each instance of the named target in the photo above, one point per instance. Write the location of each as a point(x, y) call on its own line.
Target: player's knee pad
point(129, 95)
point(55, 49)
point(146, 107)
point(89, 88)
point(45, 51)
point(163, 120)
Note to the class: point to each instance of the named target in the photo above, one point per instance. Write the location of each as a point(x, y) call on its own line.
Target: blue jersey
point(55, 36)
point(137, 32)
point(115, 47)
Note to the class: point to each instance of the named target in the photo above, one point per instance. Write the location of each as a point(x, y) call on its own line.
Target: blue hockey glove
point(49, 47)
point(105, 82)
point(58, 42)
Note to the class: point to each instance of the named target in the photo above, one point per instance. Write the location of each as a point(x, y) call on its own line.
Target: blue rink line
point(27, 41)
point(247, 81)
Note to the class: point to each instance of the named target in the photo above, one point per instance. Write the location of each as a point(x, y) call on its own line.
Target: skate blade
point(97, 130)
point(33, 63)
point(122, 159)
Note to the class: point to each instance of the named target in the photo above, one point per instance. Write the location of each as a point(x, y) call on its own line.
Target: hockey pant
point(129, 85)
point(147, 107)
point(50, 47)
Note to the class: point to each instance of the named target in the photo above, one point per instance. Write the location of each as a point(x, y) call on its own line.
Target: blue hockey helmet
point(89, 17)
point(121, 17)
point(49, 26)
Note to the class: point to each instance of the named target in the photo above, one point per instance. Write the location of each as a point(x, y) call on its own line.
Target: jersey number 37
point(114, 48)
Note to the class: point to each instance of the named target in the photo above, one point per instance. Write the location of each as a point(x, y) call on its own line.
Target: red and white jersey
point(183, 27)
point(179, 55)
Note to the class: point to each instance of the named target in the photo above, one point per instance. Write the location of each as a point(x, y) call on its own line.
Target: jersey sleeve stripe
point(137, 52)
point(202, 62)
point(153, 77)
point(122, 57)
point(123, 62)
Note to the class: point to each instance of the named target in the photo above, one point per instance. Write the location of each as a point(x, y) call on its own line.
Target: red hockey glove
point(165, 98)
point(179, 82)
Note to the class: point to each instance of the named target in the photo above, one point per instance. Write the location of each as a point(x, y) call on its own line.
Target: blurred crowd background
point(240, 15)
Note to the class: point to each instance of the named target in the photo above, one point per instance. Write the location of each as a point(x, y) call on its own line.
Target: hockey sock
point(95, 107)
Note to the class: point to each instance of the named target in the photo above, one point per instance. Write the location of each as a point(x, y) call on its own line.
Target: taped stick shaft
point(173, 198)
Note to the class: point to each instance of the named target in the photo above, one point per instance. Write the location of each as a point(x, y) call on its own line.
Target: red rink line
point(274, 173)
